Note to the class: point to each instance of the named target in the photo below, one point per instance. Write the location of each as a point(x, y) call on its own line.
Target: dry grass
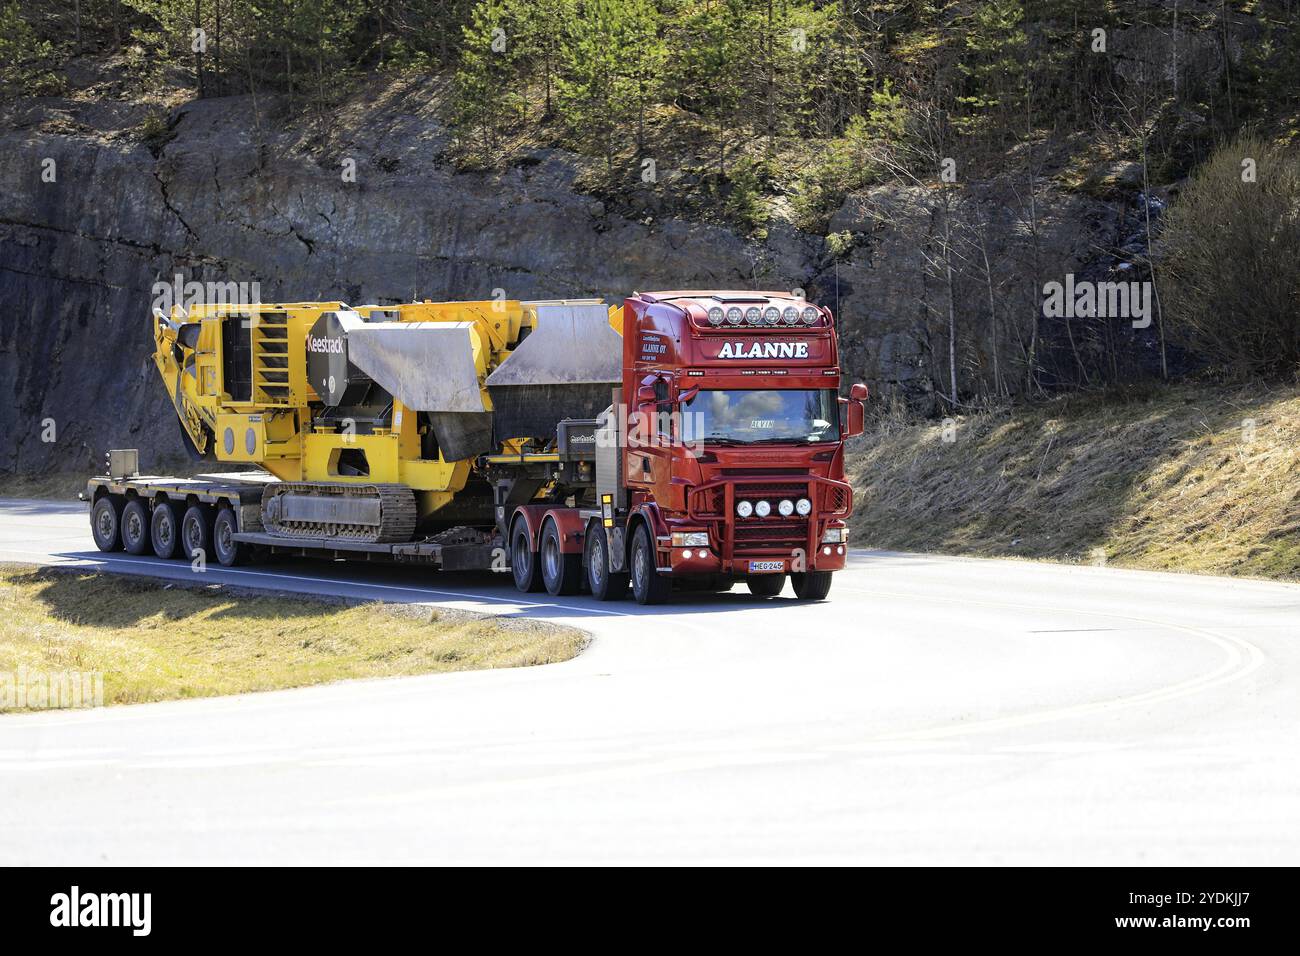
point(154, 641)
point(1174, 481)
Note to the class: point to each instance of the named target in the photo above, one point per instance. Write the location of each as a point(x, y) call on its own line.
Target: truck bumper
point(690, 561)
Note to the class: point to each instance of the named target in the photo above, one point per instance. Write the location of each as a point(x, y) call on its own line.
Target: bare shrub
point(1231, 281)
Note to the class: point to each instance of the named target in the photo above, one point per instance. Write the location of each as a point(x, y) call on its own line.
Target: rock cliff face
point(228, 199)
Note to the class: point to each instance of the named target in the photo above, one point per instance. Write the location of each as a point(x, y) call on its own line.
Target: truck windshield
point(751, 416)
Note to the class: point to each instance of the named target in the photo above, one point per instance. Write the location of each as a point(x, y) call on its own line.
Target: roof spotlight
point(715, 316)
point(790, 316)
point(771, 315)
point(810, 315)
point(753, 315)
point(733, 316)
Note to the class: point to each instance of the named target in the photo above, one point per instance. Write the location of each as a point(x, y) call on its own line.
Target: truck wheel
point(811, 585)
point(561, 573)
point(648, 585)
point(766, 585)
point(523, 560)
point(165, 530)
point(196, 532)
point(135, 527)
point(606, 585)
point(106, 523)
point(230, 553)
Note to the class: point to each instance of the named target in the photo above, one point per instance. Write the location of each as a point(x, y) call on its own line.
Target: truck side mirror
point(854, 414)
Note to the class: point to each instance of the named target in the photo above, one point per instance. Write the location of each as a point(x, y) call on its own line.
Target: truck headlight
point(690, 539)
point(835, 536)
point(763, 509)
point(803, 506)
point(786, 507)
point(745, 508)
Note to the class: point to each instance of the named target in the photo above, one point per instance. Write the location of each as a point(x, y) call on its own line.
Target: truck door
point(649, 464)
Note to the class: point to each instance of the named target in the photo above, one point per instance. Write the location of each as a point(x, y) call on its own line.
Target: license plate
point(766, 566)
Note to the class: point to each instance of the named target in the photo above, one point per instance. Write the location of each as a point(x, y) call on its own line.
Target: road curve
point(932, 711)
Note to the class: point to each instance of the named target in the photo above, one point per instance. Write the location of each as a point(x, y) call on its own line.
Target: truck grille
point(770, 537)
point(772, 492)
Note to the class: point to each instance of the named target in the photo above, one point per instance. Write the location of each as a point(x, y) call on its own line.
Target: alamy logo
point(1098, 300)
point(764, 350)
point(325, 344)
point(178, 293)
point(103, 909)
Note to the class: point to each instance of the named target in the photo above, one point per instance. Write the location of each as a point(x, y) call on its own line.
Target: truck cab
point(733, 448)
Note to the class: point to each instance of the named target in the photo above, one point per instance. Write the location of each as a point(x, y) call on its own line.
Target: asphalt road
point(933, 710)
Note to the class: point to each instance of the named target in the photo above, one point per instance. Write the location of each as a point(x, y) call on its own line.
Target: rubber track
point(397, 512)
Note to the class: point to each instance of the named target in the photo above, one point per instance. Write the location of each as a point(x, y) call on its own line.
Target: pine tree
point(24, 57)
point(993, 63)
point(612, 63)
point(485, 96)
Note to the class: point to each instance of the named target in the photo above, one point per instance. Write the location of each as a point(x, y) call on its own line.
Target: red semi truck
point(728, 465)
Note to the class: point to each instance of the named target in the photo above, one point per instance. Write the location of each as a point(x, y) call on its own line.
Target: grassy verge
point(1183, 479)
point(154, 641)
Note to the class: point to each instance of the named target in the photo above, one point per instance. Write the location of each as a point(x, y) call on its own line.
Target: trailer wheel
point(106, 523)
point(606, 585)
point(561, 573)
point(766, 585)
point(230, 553)
point(523, 559)
point(135, 527)
point(196, 532)
point(165, 530)
point(648, 585)
point(811, 585)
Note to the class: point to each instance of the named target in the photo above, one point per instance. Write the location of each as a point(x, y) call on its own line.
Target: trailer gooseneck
point(688, 438)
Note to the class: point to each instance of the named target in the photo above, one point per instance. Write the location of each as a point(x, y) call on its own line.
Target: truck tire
point(648, 585)
point(230, 553)
point(106, 523)
point(165, 530)
point(766, 585)
point(811, 585)
point(523, 559)
point(606, 585)
point(135, 527)
point(196, 532)
point(561, 573)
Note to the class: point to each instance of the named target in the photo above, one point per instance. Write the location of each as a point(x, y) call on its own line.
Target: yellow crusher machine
point(373, 417)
